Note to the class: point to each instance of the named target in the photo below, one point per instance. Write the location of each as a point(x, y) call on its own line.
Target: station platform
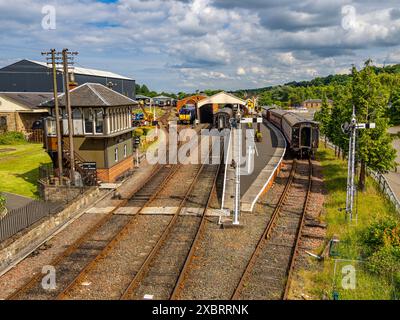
point(267, 162)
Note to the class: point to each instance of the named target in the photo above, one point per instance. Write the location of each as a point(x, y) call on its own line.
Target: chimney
point(72, 83)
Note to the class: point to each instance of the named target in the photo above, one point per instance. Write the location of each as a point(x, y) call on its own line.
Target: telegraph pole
point(66, 62)
point(57, 113)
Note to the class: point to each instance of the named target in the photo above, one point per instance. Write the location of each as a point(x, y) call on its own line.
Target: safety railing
point(383, 184)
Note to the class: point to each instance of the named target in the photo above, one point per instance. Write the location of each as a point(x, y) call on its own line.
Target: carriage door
point(305, 139)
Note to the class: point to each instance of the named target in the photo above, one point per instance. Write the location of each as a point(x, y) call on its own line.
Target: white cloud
point(286, 58)
point(240, 71)
point(228, 43)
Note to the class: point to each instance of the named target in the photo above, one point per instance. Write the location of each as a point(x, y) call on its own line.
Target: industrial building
point(315, 103)
point(206, 108)
point(164, 101)
point(33, 76)
point(20, 110)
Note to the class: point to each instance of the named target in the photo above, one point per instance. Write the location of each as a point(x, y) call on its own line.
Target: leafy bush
point(382, 240)
point(382, 233)
point(12, 138)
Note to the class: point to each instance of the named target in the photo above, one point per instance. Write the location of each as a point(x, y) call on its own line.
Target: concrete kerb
point(267, 176)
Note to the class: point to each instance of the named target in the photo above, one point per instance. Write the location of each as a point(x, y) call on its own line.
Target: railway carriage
point(221, 118)
point(301, 134)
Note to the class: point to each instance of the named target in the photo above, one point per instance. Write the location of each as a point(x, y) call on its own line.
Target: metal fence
point(384, 185)
point(21, 218)
point(34, 136)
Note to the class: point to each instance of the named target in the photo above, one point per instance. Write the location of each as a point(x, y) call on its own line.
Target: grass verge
point(351, 274)
point(19, 168)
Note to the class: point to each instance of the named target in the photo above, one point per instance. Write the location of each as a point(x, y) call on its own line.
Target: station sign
point(89, 166)
point(251, 120)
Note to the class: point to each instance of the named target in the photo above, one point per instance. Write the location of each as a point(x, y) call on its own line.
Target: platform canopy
point(221, 98)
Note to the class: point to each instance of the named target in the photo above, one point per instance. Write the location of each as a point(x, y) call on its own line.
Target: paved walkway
point(393, 177)
point(269, 150)
point(15, 201)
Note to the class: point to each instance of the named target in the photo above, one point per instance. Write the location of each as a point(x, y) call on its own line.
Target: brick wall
point(57, 193)
point(20, 121)
point(14, 122)
point(110, 175)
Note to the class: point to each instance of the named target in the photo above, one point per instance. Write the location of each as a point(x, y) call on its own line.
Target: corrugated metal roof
point(89, 72)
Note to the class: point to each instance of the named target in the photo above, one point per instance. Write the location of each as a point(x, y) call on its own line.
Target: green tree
point(137, 89)
point(340, 113)
point(144, 90)
point(265, 99)
point(394, 109)
point(370, 100)
point(323, 116)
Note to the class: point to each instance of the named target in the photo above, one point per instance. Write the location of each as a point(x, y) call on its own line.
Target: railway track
point(162, 273)
point(83, 255)
point(86, 249)
point(195, 235)
point(269, 271)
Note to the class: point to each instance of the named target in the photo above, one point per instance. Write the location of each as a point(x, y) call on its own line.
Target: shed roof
point(30, 100)
point(163, 97)
point(221, 98)
point(140, 96)
point(93, 95)
point(87, 71)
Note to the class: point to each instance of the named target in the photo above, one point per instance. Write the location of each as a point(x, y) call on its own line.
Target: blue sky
point(184, 45)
